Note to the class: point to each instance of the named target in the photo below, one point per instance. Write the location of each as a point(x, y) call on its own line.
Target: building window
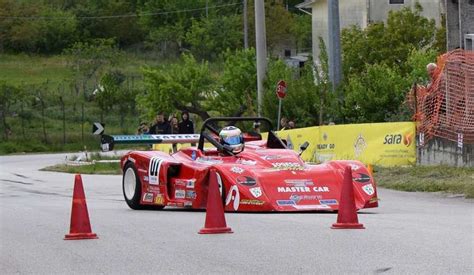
point(396, 2)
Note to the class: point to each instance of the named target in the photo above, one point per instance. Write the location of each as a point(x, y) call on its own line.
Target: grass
point(427, 179)
point(96, 168)
point(100, 168)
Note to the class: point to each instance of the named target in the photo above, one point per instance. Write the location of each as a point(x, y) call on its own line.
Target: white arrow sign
point(97, 128)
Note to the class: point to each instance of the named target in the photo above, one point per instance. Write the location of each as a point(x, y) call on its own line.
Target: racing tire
point(131, 186)
point(132, 189)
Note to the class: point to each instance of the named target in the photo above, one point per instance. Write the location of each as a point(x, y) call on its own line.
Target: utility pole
point(334, 44)
point(261, 44)
point(246, 34)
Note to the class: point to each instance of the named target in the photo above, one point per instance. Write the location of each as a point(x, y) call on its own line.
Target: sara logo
point(407, 139)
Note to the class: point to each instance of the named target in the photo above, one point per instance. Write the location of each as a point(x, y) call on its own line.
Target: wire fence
point(445, 107)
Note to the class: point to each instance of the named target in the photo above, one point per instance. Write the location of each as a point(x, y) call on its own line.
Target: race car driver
point(233, 138)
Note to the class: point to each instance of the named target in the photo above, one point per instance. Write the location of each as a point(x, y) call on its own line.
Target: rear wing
point(108, 142)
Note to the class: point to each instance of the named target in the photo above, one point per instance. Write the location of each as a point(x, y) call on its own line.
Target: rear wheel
point(131, 186)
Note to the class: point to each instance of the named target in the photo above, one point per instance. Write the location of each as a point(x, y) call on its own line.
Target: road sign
point(98, 128)
point(281, 89)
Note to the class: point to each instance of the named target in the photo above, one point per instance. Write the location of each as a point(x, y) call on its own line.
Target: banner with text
point(384, 144)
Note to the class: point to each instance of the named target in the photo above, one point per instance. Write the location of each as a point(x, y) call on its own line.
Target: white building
point(361, 13)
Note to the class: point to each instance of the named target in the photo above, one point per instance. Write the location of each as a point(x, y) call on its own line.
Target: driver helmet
point(232, 137)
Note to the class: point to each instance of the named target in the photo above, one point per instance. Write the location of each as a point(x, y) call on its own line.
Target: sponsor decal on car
point(237, 170)
point(251, 202)
point(271, 157)
point(180, 182)
point(247, 162)
point(177, 204)
point(148, 197)
point(179, 194)
point(145, 178)
point(190, 183)
point(159, 199)
point(354, 167)
point(190, 194)
point(234, 196)
point(188, 204)
point(300, 182)
point(154, 170)
point(368, 189)
point(287, 166)
point(285, 202)
point(296, 198)
point(362, 178)
point(256, 192)
point(209, 160)
point(314, 206)
point(302, 189)
point(374, 199)
point(328, 202)
point(245, 180)
point(154, 189)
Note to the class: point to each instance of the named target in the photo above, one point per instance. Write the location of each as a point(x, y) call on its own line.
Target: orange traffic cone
point(347, 214)
point(215, 219)
point(80, 224)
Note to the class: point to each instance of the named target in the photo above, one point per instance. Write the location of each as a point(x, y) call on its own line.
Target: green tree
point(106, 94)
point(278, 23)
point(126, 30)
point(389, 43)
point(374, 95)
point(238, 84)
point(416, 64)
point(183, 86)
point(48, 31)
point(302, 101)
point(301, 30)
point(207, 40)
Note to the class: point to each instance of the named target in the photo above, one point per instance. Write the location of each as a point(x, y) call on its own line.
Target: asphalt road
point(410, 233)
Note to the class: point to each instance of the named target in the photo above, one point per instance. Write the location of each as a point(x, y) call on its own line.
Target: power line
point(119, 15)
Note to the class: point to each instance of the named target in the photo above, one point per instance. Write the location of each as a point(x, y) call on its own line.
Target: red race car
point(253, 174)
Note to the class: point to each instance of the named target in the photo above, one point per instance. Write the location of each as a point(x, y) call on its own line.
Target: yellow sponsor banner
point(296, 137)
point(384, 144)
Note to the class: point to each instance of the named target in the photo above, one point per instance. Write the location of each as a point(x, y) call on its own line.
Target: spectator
point(174, 128)
point(291, 124)
point(161, 126)
point(283, 123)
point(430, 70)
point(186, 126)
point(143, 129)
point(256, 127)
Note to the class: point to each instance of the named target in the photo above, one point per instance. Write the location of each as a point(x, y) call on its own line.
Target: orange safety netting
point(445, 107)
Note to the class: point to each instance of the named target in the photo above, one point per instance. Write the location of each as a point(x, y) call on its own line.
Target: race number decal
point(154, 170)
point(233, 195)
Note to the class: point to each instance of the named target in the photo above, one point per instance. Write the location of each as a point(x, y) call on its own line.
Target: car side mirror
point(303, 147)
